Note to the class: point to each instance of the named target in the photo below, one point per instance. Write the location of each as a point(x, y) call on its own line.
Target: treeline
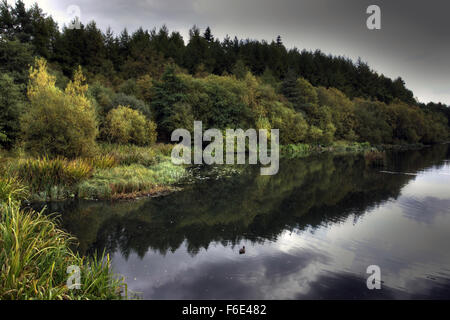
point(126, 55)
point(151, 81)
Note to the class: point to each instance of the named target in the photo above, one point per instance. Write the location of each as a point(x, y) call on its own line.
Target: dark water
point(310, 232)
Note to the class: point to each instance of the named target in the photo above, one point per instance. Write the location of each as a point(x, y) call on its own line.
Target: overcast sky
point(414, 41)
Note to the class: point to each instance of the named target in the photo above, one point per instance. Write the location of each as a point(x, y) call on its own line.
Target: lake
point(310, 232)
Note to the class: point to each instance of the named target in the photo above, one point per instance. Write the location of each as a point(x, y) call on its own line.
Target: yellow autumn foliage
point(58, 123)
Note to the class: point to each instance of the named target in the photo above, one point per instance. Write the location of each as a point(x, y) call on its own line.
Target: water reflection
point(310, 232)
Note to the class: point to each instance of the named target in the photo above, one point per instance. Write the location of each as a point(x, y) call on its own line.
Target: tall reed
point(43, 174)
point(35, 255)
point(12, 190)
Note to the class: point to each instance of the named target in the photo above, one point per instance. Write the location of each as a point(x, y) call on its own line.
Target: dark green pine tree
point(279, 41)
point(112, 48)
point(94, 50)
point(15, 59)
point(44, 31)
point(22, 22)
point(11, 107)
point(290, 89)
point(168, 92)
point(196, 50)
point(208, 35)
point(6, 21)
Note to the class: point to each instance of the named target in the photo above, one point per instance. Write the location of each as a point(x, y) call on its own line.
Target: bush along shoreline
point(342, 147)
point(35, 256)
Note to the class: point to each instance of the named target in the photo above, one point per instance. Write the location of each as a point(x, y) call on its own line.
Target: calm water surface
point(310, 232)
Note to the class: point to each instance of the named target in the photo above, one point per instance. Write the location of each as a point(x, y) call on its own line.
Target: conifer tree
point(290, 89)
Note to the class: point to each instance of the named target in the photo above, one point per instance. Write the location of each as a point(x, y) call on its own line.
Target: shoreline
point(286, 151)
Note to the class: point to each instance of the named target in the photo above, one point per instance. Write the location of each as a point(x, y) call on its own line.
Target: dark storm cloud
point(414, 42)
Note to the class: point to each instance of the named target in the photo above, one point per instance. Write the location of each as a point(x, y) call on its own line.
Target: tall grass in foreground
point(35, 254)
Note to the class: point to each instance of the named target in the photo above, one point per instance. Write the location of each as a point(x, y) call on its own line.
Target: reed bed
point(126, 155)
point(115, 170)
point(12, 190)
point(35, 255)
point(133, 179)
point(105, 161)
point(43, 173)
point(131, 154)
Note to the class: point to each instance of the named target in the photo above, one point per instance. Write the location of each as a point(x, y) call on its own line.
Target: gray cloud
point(414, 42)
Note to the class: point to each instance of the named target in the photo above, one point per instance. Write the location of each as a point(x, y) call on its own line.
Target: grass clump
point(163, 149)
point(135, 179)
point(12, 190)
point(128, 154)
point(35, 255)
point(115, 171)
point(106, 161)
point(49, 178)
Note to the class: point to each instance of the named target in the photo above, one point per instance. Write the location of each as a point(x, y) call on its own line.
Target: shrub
point(373, 121)
point(58, 123)
point(308, 92)
point(132, 102)
point(145, 88)
point(321, 128)
point(292, 125)
point(129, 87)
point(103, 96)
point(125, 125)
